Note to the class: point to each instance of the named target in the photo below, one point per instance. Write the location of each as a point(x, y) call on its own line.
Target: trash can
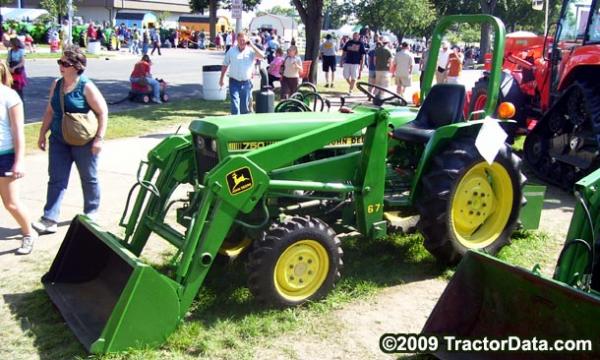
point(93, 47)
point(265, 99)
point(210, 84)
point(532, 211)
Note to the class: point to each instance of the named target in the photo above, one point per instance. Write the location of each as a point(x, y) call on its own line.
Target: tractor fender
point(443, 136)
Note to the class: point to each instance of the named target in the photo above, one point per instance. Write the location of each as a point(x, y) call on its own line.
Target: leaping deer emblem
point(238, 180)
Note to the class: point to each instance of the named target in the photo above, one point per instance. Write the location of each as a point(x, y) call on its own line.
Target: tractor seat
point(442, 106)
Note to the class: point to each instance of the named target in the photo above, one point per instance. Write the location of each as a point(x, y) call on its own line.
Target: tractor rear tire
point(509, 91)
point(478, 97)
point(468, 204)
point(297, 260)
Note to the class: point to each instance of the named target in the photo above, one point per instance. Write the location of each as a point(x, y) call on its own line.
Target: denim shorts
point(6, 164)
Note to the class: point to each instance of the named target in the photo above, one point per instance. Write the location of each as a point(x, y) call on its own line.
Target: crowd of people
point(384, 59)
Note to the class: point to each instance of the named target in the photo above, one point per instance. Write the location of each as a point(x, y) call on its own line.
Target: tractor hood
point(273, 126)
point(247, 132)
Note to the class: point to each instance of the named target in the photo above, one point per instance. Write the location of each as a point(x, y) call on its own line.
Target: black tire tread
point(273, 242)
point(435, 202)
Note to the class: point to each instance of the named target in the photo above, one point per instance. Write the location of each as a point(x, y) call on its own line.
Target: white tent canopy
point(22, 14)
point(285, 26)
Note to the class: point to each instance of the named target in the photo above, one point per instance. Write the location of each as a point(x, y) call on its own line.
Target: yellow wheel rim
point(301, 270)
point(481, 205)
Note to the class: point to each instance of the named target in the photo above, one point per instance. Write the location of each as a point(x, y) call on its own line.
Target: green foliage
point(162, 16)
point(281, 11)
point(57, 8)
point(516, 14)
point(410, 17)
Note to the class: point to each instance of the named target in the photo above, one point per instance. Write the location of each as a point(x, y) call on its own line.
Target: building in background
point(201, 23)
point(113, 11)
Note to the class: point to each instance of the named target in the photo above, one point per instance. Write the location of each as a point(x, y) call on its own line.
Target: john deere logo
point(239, 181)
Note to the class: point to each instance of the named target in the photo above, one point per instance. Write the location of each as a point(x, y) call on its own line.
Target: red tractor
point(554, 84)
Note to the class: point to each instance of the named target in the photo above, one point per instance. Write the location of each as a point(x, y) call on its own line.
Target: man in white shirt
point(404, 62)
point(240, 62)
point(442, 63)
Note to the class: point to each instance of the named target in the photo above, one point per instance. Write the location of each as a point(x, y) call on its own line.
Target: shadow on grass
point(40, 320)
point(368, 265)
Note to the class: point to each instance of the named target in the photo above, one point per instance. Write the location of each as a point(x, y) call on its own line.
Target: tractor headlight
point(213, 145)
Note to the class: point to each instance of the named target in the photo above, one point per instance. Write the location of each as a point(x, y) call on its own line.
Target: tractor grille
point(206, 157)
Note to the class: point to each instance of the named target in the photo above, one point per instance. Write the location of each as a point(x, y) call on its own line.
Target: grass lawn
point(147, 119)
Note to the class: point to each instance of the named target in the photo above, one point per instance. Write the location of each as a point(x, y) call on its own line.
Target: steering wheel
point(308, 85)
point(376, 99)
point(291, 105)
point(313, 99)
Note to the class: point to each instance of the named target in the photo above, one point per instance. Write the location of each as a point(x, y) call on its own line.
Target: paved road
point(181, 68)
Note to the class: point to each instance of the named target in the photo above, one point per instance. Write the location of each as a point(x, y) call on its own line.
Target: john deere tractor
point(282, 188)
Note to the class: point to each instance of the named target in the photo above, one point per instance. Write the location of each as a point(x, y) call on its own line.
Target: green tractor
point(281, 189)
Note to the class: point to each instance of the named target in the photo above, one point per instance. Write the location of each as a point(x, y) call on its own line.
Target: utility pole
point(546, 17)
point(70, 20)
point(236, 13)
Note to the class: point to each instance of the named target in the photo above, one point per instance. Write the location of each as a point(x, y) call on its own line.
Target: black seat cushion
point(412, 133)
point(442, 106)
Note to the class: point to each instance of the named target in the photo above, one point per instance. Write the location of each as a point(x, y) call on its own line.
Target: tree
point(281, 11)
point(213, 5)
point(335, 15)
point(2, 3)
point(311, 14)
point(162, 16)
point(57, 8)
point(487, 7)
point(278, 10)
point(392, 15)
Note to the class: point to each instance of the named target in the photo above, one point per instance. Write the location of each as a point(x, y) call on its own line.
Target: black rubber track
point(590, 91)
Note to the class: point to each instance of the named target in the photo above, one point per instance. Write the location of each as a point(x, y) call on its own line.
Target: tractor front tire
point(297, 260)
point(466, 204)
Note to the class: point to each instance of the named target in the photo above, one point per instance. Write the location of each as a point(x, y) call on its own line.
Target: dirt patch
point(353, 332)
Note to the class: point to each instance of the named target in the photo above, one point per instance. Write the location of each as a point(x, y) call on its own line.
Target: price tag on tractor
point(490, 139)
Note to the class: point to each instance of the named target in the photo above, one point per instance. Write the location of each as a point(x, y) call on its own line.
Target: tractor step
point(398, 199)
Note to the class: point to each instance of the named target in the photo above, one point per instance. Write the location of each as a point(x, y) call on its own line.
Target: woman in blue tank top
point(80, 96)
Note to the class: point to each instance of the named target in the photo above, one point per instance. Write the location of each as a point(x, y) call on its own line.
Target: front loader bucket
point(110, 299)
point(489, 298)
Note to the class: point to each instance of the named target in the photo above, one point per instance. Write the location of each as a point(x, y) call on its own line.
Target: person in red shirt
point(142, 75)
point(92, 33)
point(454, 65)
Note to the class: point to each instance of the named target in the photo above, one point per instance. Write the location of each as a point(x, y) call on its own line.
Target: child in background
point(292, 66)
point(29, 44)
point(275, 67)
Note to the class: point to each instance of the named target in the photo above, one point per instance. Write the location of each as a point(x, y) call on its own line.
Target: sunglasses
point(64, 63)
